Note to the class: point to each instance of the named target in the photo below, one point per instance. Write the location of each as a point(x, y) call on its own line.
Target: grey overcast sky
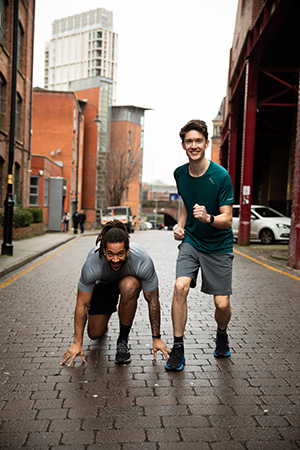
point(173, 57)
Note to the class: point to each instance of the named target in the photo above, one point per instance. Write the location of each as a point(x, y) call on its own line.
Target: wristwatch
point(211, 220)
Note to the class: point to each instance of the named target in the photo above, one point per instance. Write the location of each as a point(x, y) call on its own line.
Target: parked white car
point(267, 224)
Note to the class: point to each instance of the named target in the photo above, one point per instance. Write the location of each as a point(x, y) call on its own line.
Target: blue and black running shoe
point(222, 346)
point(176, 359)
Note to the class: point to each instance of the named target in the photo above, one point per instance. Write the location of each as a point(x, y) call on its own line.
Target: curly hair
point(198, 125)
point(112, 232)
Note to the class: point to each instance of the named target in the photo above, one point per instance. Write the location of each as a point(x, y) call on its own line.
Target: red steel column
point(250, 102)
point(294, 243)
point(232, 142)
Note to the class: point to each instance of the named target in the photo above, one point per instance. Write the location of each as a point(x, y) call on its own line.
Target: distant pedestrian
point(66, 219)
point(82, 219)
point(114, 269)
point(204, 228)
point(75, 219)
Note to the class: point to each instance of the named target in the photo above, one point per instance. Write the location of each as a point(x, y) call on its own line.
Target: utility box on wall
point(58, 189)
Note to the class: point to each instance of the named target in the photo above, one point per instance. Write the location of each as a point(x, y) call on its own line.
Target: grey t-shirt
point(138, 264)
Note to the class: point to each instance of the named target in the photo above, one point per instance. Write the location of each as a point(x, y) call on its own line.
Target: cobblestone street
point(247, 402)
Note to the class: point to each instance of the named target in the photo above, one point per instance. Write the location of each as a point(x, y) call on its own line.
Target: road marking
point(10, 280)
point(266, 265)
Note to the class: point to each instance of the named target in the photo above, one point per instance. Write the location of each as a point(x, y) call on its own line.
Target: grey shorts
point(216, 269)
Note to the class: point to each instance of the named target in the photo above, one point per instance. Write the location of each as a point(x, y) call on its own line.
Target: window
point(46, 191)
point(2, 102)
point(18, 117)
point(17, 184)
point(3, 6)
point(20, 46)
point(34, 191)
point(129, 139)
point(73, 150)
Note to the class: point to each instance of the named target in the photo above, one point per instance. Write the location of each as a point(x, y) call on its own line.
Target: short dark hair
point(112, 232)
point(198, 125)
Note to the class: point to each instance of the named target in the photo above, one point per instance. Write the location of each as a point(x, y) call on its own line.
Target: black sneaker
point(123, 354)
point(222, 346)
point(176, 359)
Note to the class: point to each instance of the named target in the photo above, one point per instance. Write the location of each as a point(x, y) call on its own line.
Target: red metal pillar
point(232, 143)
point(250, 102)
point(294, 243)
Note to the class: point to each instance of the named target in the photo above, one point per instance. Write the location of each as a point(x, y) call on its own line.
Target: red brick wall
point(54, 128)
point(89, 162)
point(23, 90)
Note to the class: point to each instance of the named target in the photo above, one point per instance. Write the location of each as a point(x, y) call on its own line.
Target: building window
point(72, 181)
point(129, 116)
point(2, 102)
point(73, 150)
point(129, 138)
point(3, 6)
point(18, 117)
point(20, 46)
point(17, 197)
point(1, 180)
point(34, 191)
point(46, 191)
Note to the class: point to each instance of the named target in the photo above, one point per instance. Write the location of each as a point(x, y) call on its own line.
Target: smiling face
point(195, 145)
point(116, 255)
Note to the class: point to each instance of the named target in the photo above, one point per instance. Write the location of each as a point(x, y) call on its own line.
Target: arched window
point(20, 46)
point(18, 117)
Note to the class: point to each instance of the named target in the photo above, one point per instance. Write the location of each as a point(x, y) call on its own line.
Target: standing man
point(204, 228)
point(75, 219)
point(82, 219)
point(112, 269)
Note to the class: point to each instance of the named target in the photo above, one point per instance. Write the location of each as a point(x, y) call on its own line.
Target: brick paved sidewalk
point(249, 402)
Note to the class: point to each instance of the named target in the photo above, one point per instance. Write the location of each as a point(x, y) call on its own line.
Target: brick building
point(23, 97)
point(260, 138)
point(126, 154)
point(57, 150)
point(217, 135)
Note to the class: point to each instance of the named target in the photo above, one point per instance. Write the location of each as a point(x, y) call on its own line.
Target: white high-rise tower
point(82, 46)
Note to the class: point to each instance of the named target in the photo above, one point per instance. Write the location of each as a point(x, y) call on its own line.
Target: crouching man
point(114, 269)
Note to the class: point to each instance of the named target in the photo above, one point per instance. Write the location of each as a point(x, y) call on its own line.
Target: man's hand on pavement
point(158, 344)
point(73, 351)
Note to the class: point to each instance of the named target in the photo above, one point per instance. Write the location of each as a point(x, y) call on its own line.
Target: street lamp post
point(156, 201)
point(7, 245)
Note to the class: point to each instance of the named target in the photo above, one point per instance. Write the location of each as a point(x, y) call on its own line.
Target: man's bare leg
point(130, 288)
point(222, 316)
point(179, 317)
point(97, 325)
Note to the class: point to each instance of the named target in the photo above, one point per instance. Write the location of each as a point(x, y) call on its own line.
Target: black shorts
point(105, 298)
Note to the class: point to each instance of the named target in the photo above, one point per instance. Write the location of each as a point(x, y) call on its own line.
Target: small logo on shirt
point(211, 180)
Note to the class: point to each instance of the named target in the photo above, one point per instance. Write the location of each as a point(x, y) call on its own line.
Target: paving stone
point(246, 402)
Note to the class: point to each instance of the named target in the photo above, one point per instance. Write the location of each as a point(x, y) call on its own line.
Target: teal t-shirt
point(212, 190)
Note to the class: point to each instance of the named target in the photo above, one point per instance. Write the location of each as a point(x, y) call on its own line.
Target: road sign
point(173, 197)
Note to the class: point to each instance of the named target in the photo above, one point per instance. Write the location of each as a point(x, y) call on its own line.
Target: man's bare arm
point(223, 221)
point(80, 318)
point(154, 316)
